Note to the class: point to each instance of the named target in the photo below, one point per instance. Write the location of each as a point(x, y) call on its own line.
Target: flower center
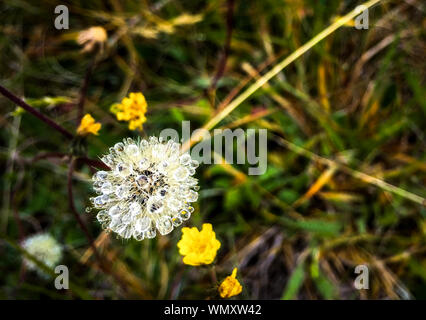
point(146, 184)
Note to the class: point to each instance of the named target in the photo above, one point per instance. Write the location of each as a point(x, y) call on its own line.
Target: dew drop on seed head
point(192, 196)
point(156, 207)
point(185, 159)
point(135, 208)
point(100, 175)
point(114, 211)
point(150, 234)
point(194, 164)
point(181, 173)
point(123, 169)
point(144, 143)
point(97, 185)
point(138, 235)
point(184, 214)
point(143, 164)
point(142, 181)
point(176, 221)
point(119, 147)
point(126, 218)
point(161, 193)
point(107, 187)
point(100, 201)
point(173, 204)
point(142, 224)
point(164, 225)
point(121, 192)
point(103, 216)
point(132, 150)
point(126, 232)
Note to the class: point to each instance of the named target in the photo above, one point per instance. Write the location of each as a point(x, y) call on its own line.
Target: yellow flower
point(198, 247)
point(88, 125)
point(131, 109)
point(89, 37)
point(230, 286)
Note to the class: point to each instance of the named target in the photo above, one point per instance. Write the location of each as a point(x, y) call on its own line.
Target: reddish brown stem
point(94, 163)
point(34, 112)
point(47, 155)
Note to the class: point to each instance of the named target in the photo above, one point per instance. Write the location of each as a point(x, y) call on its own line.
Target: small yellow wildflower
point(90, 37)
point(230, 286)
point(88, 125)
point(131, 109)
point(198, 247)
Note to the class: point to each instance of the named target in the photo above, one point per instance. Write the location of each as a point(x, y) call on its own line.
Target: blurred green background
point(296, 232)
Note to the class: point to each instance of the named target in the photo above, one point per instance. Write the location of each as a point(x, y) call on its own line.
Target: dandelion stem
point(34, 112)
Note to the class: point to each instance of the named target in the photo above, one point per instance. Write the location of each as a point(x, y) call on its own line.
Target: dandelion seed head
point(149, 188)
point(44, 248)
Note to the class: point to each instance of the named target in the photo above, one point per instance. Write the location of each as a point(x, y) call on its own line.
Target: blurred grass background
point(346, 144)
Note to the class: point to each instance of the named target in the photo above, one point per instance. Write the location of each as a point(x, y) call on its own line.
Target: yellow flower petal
point(88, 126)
point(131, 109)
point(230, 286)
point(198, 247)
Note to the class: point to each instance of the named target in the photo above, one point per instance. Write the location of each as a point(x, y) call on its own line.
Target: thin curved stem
point(35, 113)
point(227, 47)
point(76, 214)
point(94, 163)
point(83, 91)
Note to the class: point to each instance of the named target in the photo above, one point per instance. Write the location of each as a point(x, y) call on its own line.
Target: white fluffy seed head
point(44, 248)
point(149, 188)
